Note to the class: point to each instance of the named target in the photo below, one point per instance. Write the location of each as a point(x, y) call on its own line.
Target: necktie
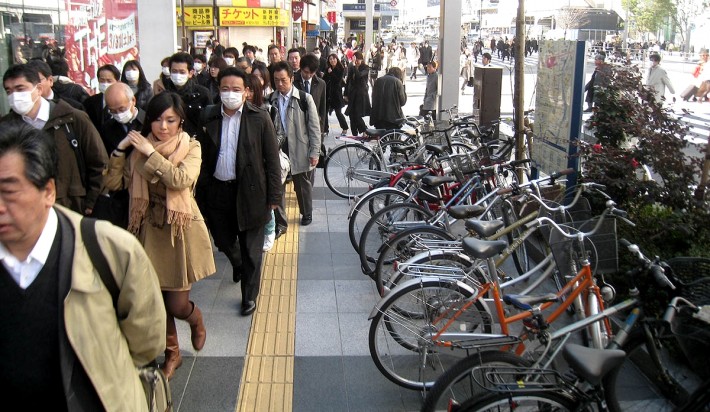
point(308, 86)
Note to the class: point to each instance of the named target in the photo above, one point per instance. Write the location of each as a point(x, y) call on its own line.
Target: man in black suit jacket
point(388, 97)
point(182, 82)
point(95, 106)
point(240, 179)
point(313, 85)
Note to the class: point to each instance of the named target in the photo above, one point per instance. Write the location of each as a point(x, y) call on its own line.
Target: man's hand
point(314, 161)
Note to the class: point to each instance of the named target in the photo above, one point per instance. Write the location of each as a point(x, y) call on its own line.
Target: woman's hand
point(141, 143)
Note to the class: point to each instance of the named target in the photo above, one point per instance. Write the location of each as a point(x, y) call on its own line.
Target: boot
point(197, 328)
point(173, 359)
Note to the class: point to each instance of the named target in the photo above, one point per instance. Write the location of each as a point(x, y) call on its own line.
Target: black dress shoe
point(248, 307)
point(280, 230)
point(306, 220)
point(236, 276)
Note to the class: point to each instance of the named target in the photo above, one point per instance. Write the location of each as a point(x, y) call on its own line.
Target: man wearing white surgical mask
point(240, 179)
point(95, 106)
point(125, 116)
point(195, 97)
point(81, 154)
point(202, 72)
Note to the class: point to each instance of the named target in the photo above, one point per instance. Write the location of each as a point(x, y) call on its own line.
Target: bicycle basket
point(601, 247)
point(463, 165)
point(692, 275)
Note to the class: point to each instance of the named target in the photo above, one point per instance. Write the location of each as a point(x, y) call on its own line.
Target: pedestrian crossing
point(697, 118)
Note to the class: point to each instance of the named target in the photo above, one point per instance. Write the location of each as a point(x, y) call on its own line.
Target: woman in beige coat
point(160, 173)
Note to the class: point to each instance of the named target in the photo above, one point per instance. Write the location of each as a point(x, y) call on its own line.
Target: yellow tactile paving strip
point(267, 378)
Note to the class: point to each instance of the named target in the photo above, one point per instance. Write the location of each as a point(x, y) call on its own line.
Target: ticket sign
point(252, 16)
point(196, 16)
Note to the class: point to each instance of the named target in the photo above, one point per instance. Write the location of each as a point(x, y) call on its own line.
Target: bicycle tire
point(341, 164)
point(404, 245)
point(369, 204)
point(521, 402)
point(638, 384)
point(381, 226)
point(458, 384)
point(399, 331)
point(519, 254)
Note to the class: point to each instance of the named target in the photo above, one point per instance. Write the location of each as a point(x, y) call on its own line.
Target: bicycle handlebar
point(656, 270)
point(610, 209)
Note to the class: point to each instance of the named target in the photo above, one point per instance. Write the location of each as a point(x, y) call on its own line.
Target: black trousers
point(303, 186)
point(243, 248)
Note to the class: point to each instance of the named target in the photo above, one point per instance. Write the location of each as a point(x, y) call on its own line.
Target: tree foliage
point(649, 15)
point(633, 129)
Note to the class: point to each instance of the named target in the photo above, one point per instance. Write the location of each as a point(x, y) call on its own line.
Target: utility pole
point(519, 91)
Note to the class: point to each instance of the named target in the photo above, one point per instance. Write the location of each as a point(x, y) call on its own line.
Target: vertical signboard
point(99, 32)
point(558, 105)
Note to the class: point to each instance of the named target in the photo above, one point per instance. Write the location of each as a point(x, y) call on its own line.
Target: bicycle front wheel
point(348, 170)
point(462, 382)
point(643, 383)
point(520, 402)
point(369, 204)
point(401, 333)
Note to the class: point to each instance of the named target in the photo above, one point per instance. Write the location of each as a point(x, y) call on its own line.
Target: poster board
point(558, 105)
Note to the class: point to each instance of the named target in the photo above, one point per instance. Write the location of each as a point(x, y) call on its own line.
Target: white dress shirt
point(25, 272)
point(226, 168)
point(42, 115)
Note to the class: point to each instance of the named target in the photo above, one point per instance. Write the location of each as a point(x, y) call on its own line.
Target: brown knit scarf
point(178, 202)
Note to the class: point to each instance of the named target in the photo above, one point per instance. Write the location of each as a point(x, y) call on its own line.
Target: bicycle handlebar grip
point(519, 162)
point(564, 172)
point(625, 243)
point(504, 190)
point(660, 276)
point(619, 212)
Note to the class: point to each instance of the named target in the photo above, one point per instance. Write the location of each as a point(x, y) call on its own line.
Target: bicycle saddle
point(439, 150)
point(592, 364)
point(438, 180)
point(415, 174)
point(526, 302)
point(465, 211)
point(375, 132)
point(484, 228)
point(483, 249)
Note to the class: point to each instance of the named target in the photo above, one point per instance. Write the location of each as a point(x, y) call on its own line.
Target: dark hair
point(311, 62)
point(272, 46)
point(337, 61)
point(22, 70)
point(142, 81)
point(265, 75)
point(166, 60)
point(232, 51)
point(655, 57)
point(282, 65)
point(59, 67)
point(358, 55)
point(158, 105)
point(41, 66)
point(218, 62)
point(396, 72)
point(182, 57)
point(200, 57)
point(302, 50)
point(487, 56)
point(247, 48)
point(293, 50)
point(234, 71)
point(243, 59)
point(110, 68)
point(257, 91)
point(36, 147)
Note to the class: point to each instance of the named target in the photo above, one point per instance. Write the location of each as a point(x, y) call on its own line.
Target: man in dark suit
point(313, 85)
point(240, 179)
point(95, 106)
point(388, 97)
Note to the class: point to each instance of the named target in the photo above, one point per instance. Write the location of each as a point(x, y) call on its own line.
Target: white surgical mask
point(124, 117)
point(198, 67)
point(103, 86)
point(166, 70)
point(229, 61)
point(232, 100)
point(178, 78)
point(132, 75)
point(21, 102)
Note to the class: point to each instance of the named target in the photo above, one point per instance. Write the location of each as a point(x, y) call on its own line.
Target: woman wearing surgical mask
point(158, 85)
point(134, 77)
point(95, 106)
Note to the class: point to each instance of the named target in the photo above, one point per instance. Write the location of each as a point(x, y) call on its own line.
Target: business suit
point(318, 92)
point(236, 211)
point(96, 109)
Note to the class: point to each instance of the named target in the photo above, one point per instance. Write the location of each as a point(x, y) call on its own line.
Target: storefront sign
point(196, 16)
point(296, 9)
point(359, 24)
point(99, 32)
point(251, 16)
point(359, 7)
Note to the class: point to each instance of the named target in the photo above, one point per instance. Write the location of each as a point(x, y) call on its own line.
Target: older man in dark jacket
point(388, 98)
point(240, 179)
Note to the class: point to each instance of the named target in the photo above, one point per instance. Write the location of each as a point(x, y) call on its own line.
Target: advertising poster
point(99, 32)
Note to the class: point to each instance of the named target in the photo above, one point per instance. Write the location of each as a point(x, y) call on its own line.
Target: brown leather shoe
point(197, 328)
point(173, 359)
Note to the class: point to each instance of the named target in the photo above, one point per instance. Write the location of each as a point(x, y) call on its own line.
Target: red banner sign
point(296, 9)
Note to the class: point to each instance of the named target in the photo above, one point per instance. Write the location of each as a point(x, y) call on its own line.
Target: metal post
point(369, 14)
point(519, 92)
point(182, 22)
point(480, 24)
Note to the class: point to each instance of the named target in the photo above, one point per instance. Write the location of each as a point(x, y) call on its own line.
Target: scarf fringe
point(178, 222)
point(137, 213)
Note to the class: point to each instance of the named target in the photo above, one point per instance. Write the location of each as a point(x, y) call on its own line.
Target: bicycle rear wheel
point(346, 169)
point(382, 225)
point(404, 245)
point(462, 382)
point(369, 204)
point(400, 336)
point(520, 402)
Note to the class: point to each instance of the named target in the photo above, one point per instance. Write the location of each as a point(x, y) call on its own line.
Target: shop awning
point(324, 25)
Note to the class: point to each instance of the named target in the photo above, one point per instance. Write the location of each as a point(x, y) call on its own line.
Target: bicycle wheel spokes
point(401, 334)
point(371, 203)
point(350, 169)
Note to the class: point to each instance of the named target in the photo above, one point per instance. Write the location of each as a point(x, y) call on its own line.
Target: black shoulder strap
point(303, 104)
point(88, 234)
